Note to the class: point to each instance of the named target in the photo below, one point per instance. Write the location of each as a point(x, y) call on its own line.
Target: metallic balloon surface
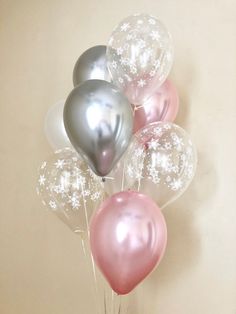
point(128, 238)
point(99, 120)
point(139, 56)
point(68, 187)
point(163, 105)
point(54, 127)
point(162, 159)
point(92, 64)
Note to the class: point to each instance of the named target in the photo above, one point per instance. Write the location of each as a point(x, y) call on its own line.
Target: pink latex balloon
point(128, 238)
point(161, 106)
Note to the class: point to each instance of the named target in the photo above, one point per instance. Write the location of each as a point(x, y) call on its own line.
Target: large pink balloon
point(161, 106)
point(128, 237)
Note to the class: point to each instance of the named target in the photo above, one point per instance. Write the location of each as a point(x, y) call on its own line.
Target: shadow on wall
point(184, 241)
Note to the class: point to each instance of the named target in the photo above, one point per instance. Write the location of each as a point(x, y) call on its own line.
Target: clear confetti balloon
point(162, 160)
point(68, 187)
point(139, 56)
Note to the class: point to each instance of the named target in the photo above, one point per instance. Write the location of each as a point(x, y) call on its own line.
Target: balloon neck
point(103, 180)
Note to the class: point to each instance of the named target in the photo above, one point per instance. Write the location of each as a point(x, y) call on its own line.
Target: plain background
point(41, 264)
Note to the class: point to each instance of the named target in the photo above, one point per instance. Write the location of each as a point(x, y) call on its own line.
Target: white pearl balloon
point(54, 127)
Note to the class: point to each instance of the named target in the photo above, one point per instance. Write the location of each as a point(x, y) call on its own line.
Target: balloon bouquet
point(116, 140)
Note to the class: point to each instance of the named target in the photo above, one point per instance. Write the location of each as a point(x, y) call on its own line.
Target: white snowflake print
point(153, 144)
point(176, 184)
point(160, 161)
point(152, 73)
point(157, 63)
point(133, 70)
point(167, 145)
point(95, 196)
point(130, 36)
point(60, 163)
point(130, 171)
point(168, 179)
point(139, 152)
point(121, 80)
point(52, 204)
point(155, 35)
point(124, 27)
point(76, 172)
point(79, 182)
point(114, 64)
point(44, 164)
point(42, 180)
point(156, 179)
point(138, 175)
point(175, 169)
point(141, 43)
point(149, 51)
point(74, 200)
point(124, 61)
point(86, 193)
point(141, 83)
point(59, 189)
point(111, 40)
point(167, 126)
point(119, 51)
point(189, 171)
point(158, 131)
point(153, 174)
point(177, 141)
point(151, 21)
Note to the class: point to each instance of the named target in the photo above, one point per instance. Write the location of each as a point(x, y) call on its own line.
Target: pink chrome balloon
point(161, 106)
point(128, 238)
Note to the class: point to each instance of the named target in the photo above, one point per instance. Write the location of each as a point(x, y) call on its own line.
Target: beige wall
point(41, 263)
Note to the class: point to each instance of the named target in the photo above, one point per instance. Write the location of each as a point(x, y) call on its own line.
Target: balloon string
point(91, 256)
point(83, 247)
point(119, 311)
point(123, 177)
point(105, 303)
point(164, 110)
point(112, 302)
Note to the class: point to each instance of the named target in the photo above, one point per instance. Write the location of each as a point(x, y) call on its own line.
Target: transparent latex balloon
point(54, 127)
point(162, 160)
point(68, 187)
point(139, 56)
point(115, 181)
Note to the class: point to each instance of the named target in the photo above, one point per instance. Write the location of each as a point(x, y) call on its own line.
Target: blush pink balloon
point(161, 106)
point(128, 238)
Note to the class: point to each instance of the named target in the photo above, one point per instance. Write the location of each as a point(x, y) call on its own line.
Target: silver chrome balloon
point(98, 120)
point(92, 64)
